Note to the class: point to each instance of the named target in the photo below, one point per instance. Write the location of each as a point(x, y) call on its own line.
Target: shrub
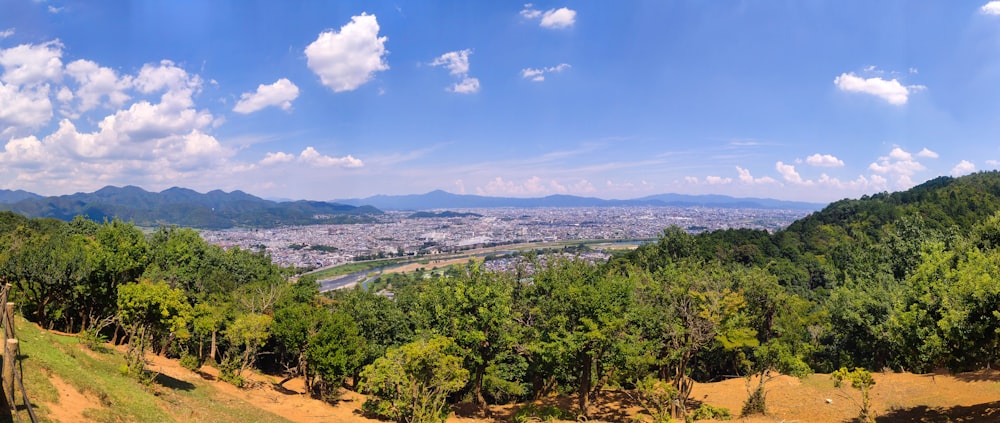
point(705, 412)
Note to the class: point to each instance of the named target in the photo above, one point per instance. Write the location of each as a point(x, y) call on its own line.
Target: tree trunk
point(585, 383)
point(163, 350)
point(477, 388)
point(213, 350)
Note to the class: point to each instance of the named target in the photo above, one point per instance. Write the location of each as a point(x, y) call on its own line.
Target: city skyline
point(795, 101)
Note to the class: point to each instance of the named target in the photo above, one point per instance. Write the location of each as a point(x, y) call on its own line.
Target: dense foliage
point(907, 281)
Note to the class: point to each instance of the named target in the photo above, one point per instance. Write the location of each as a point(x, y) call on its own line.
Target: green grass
point(123, 399)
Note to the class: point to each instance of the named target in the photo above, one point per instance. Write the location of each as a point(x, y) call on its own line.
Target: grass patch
point(122, 398)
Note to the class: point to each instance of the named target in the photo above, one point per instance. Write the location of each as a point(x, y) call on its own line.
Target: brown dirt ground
point(897, 397)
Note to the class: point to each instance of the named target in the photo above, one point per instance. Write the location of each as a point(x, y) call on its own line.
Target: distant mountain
point(8, 196)
point(444, 200)
point(184, 207)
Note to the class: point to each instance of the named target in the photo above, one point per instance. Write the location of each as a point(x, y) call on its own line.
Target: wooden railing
point(10, 374)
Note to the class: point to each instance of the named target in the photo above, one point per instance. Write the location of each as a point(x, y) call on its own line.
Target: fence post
point(9, 361)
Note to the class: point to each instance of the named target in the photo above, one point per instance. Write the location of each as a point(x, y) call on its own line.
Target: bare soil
point(897, 397)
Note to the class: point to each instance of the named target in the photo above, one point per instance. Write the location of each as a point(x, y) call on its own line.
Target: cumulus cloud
point(24, 152)
point(457, 63)
point(891, 90)
point(824, 160)
point(96, 82)
point(279, 157)
point(6, 33)
point(23, 108)
point(31, 64)
point(553, 18)
point(313, 157)
point(717, 180)
point(789, 173)
point(347, 59)
point(925, 153)
point(533, 186)
point(280, 94)
point(538, 75)
point(992, 162)
point(991, 8)
point(964, 167)
point(747, 178)
point(898, 162)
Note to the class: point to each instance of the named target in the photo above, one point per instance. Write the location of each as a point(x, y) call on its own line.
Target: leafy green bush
point(705, 412)
point(536, 413)
point(191, 362)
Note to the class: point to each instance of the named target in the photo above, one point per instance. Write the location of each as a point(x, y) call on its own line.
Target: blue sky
point(813, 101)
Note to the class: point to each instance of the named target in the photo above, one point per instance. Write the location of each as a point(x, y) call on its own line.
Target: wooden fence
point(10, 373)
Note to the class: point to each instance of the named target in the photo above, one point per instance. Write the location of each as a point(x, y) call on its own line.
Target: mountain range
point(444, 200)
point(219, 210)
point(184, 207)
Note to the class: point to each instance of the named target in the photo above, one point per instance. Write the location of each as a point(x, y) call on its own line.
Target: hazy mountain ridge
point(184, 207)
point(8, 196)
point(439, 199)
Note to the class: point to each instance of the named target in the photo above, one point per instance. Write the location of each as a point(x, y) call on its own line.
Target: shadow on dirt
point(986, 412)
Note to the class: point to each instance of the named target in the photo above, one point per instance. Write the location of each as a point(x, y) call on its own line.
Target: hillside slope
point(69, 383)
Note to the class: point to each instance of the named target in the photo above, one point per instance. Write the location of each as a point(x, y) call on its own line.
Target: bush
point(534, 413)
point(229, 372)
point(191, 362)
point(93, 340)
point(705, 412)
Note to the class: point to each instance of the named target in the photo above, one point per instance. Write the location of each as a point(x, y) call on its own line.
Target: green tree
point(150, 310)
point(412, 383)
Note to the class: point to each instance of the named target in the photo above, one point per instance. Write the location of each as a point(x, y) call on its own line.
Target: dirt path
point(72, 403)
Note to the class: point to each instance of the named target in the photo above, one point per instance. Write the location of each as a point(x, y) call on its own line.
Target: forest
point(903, 281)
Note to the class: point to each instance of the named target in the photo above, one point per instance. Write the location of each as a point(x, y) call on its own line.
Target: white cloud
point(925, 153)
point(466, 86)
point(529, 12)
point(166, 76)
point(279, 157)
point(788, 172)
point(31, 64)
point(280, 93)
point(313, 157)
point(533, 186)
point(891, 91)
point(348, 59)
point(457, 63)
point(900, 154)
point(718, 180)
point(23, 108)
point(691, 179)
point(553, 18)
point(964, 167)
point(54, 10)
point(538, 75)
point(992, 162)
point(898, 164)
point(97, 82)
point(6, 33)
point(558, 18)
point(23, 152)
point(747, 178)
point(824, 160)
point(991, 8)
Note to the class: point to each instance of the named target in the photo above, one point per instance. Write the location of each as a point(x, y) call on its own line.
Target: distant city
point(398, 233)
